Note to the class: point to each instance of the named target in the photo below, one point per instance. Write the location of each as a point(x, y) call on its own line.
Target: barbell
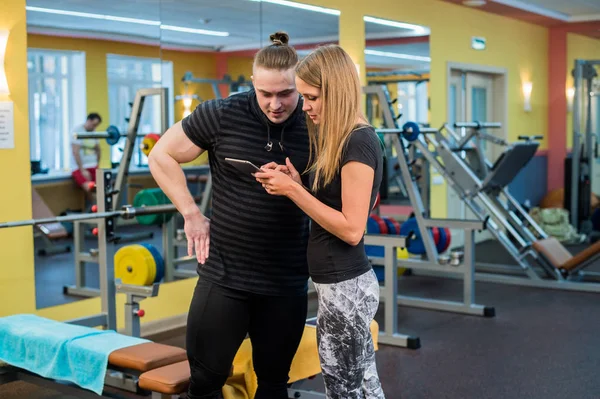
point(127, 212)
point(113, 135)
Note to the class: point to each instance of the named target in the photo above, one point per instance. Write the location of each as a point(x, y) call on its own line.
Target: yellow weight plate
point(134, 264)
point(149, 142)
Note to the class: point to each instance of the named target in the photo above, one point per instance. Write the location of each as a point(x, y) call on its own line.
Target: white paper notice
point(7, 126)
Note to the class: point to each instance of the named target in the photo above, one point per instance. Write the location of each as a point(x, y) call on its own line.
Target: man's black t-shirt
point(331, 260)
point(257, 240)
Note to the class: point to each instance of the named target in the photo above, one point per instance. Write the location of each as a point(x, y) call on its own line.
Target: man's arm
point(173, 149)
point(98, 153)
point(76, 148)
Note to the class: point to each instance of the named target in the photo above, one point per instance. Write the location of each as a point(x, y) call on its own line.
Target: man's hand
point(197, 232)
point(86, 174)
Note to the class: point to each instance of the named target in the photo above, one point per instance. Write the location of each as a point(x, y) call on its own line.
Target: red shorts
point(80, 179)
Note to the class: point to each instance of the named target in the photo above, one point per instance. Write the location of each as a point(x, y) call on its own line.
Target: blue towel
point(60, 351)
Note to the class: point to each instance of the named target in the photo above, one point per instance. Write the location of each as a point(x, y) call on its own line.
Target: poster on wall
point(7, 127)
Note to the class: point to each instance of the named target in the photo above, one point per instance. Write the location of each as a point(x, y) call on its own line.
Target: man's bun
point(279, 38)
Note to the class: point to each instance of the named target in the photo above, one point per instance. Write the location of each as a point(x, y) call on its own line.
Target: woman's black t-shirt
point(331, 260)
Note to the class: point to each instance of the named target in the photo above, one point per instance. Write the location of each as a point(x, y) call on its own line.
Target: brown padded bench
point(172, 379)
point(561, 258)
point(41, 211)
point(146, 356)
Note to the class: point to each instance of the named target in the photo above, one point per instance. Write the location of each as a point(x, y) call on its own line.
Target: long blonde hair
point(331, 69)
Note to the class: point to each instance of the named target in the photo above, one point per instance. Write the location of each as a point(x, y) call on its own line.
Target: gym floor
point(541, 344)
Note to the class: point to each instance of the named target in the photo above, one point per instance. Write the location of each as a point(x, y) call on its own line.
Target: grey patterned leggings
point(346, 350)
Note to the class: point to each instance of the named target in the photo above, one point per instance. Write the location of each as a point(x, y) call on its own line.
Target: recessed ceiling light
point(128, 20)
point(397, 55)
point(474, 3)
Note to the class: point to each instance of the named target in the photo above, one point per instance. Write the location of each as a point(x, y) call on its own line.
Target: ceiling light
point(307, 7)
point(128, 20)
point(395, 24)
point(93, 16)
point(474, 3)
point(397, 55)
point(192, 30)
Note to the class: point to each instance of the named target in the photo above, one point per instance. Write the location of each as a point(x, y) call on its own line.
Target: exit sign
point(478, 43)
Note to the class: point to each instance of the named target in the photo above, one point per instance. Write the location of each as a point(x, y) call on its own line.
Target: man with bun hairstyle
point(252, 253)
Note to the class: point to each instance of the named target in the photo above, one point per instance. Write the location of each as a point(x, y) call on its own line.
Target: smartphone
point(243, 165)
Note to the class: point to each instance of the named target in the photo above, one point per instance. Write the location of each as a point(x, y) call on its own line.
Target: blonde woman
point(344, 177)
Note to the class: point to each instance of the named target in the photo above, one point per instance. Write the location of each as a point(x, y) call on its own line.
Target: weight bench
point(147, 368)
point(49, 231)
point(562, 260)
point(169, 381)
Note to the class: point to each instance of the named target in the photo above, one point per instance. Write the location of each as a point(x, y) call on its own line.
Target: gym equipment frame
point(578, 183)
point(82, 257)
point(106, 220)
point(431, 260)
point(542, 261)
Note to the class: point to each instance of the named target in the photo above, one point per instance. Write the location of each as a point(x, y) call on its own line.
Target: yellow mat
point(243, 383)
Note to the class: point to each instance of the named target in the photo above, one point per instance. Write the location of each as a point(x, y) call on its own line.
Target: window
point(126, 75)
point(57, 103)
point(412, 102)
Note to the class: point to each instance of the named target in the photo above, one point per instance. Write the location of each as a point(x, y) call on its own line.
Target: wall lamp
point(570, 97)
point(527, 88)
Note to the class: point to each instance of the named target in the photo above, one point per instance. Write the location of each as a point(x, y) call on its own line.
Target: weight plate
point(435, 232)
point(415, 244)
point(134, 264)
point(411, 131)
point(383, 229)
point(374, 227)
point(448, 238)
point(113, 135)
point(158, 260)
point(149, 142)
point(393, 228)
point(441, 244)
point(151, 197)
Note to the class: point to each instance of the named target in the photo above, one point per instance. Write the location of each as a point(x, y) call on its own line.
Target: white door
point(480, 107)
point(456, 113)
point(470, 99)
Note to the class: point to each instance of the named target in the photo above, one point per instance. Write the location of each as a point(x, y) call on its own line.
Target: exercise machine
point(579, 166)
point(241, 84)
point(540, 260)
point(418, 239)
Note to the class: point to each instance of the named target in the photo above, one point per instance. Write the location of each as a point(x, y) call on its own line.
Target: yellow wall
point(450, 42)
point(16, 245)
point(582, 48)
point(237, 66)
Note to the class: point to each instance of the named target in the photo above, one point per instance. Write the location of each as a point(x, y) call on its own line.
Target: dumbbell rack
point(83, 257)
point(430, 261)
point(107, 317)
